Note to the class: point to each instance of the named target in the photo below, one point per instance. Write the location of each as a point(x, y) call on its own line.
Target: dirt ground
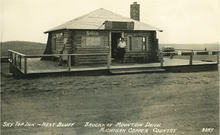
point(156, 103)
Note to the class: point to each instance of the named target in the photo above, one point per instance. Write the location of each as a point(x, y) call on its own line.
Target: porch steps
point(136, 70)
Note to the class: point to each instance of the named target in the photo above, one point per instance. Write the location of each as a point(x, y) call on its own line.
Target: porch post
point(191, 56)
point(108, 63)
point(8, 56)
point(110, 48)
point(69, 63)
point(161, 59)
point(19, 61)
point(15, 59)
point(25, 64)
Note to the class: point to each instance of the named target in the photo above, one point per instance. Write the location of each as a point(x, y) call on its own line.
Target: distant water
point(214, 46)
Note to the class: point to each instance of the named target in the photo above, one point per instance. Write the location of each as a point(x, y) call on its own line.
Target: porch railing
point(16, 59)
point(19, 60)
point(191, 53)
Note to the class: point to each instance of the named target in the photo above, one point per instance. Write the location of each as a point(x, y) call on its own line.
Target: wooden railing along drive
point(16, 58)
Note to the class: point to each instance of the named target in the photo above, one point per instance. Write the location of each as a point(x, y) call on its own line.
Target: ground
point(188, 103)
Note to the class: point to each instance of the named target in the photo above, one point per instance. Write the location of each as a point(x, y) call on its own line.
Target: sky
point(182, 21)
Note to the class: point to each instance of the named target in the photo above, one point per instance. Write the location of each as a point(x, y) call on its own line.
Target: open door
point(115, 40)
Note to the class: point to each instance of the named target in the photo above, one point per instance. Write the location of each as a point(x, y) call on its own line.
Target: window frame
point(97, 37)
point(129, 42)
point(144, 42)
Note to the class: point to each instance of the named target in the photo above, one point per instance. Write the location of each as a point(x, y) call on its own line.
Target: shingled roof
point(95, 20)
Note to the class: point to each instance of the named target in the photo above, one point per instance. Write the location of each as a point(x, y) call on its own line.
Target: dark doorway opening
point(115, 40)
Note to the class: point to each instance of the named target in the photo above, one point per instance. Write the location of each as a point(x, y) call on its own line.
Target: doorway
point(115, 40)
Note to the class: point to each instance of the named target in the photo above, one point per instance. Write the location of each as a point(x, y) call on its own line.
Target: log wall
point(84, 43)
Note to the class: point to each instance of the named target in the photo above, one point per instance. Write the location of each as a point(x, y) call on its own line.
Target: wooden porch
point(29, 64)
point(35, 65)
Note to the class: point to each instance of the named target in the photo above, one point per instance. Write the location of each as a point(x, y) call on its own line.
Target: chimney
point(135, 11)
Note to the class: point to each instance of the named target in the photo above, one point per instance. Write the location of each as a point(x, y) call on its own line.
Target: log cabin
point(99, 32)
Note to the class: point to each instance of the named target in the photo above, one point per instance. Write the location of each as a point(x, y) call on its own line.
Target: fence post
point(218, 57)
point(8, 56)
point(11, 57)
point(15, 63)
point(191, 58)
point(161, 59)
point(25, 64)
point(10, 61)
point(69, 63)
point(109, 50)
point(108, 62)
point(19, 61)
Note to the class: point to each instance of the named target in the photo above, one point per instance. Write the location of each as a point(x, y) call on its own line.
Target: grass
point(187, 102)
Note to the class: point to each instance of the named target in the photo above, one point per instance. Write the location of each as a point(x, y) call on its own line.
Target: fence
point(19, 60)
point(184, 52)
point(16, 59)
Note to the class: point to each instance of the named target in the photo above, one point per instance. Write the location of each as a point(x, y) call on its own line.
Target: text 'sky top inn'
point(99, 32)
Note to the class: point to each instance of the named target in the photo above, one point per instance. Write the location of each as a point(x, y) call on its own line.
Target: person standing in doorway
point(121, 50)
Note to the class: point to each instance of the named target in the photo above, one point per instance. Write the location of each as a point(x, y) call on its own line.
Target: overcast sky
point(183, 21)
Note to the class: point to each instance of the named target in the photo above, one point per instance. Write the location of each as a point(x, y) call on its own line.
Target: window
point(145, 43)
point(138, 43)
point(57, 41)
point(93, 41)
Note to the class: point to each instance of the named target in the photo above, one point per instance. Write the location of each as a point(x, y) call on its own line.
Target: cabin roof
point(95, 20)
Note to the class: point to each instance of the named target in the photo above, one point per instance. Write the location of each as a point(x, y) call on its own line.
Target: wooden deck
point(35, 65)
point(27, 65)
